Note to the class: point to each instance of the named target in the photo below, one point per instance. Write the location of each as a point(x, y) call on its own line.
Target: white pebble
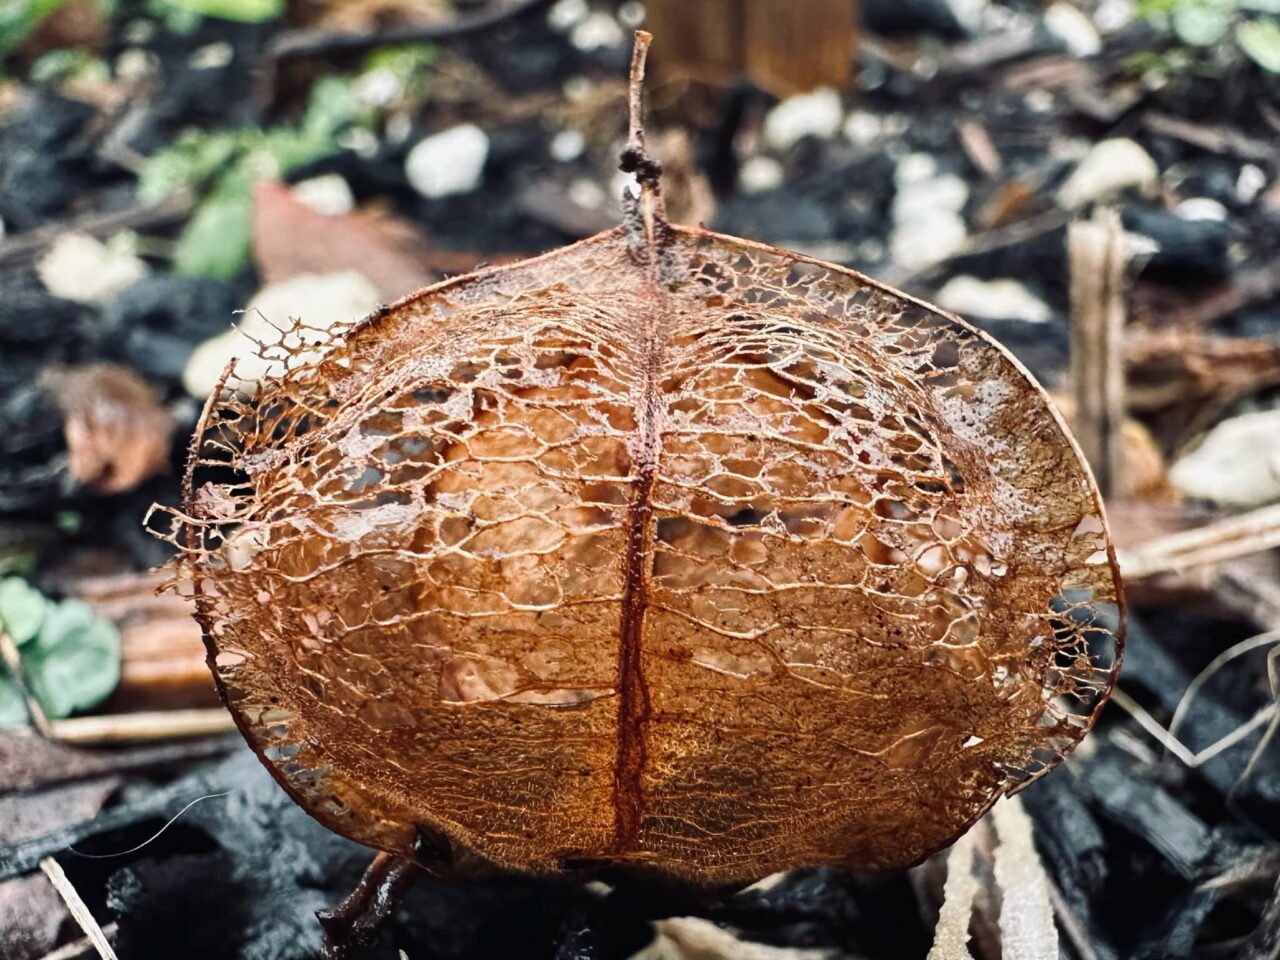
point(448, 163)
point(1073, 30)
point(1038, 100)
point(598, 31)
point(1237, 463)
point(1111, 168)
point(134, 65)
point(922, 243)
point(1201, 208)
point(816, 114)
point(1001, 299)
point(211, 56)
point(1250, 183)
point(328, 194)
point(587, 194)
point(1114, 15)
point(863, 128)
point(631, 14)
point(564, 14)
point(760, 174)
point(914, 168)
point(321, 301)
point(378, 87)
point(946, 193)
point(81, 268)
point(927, 208)
point(567, 146)
point(970, 14)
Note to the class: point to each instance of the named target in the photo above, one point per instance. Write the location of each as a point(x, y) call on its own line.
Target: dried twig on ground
point(1235, 536)
point(138, 727)
point(23, 249)
point(53, 870)
point(13, 663)
point(1215, 139)
point(1098, 253)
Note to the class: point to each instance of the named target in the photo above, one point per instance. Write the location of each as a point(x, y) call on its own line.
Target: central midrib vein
point(633, 702)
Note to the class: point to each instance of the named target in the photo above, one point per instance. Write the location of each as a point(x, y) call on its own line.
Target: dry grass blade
point(76, 905)
point(693, 938)
point(78, 948)
point(1227, 539)
point(1098, 252)
point(951, 935)
point(13, 664)
point(141, 727)
point(1027, 929)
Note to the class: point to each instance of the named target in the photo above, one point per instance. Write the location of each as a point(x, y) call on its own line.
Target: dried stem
point(76, 905)
point(635, 156)
point(1227, 539)
point(78, 948)
point(1099, 254)
point(139, 727)
point(13, 661)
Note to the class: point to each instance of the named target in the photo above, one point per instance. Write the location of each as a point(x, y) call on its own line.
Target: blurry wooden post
point(787, 46)
point(1098, 255)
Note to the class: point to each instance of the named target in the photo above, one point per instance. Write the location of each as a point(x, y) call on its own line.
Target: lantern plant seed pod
point(666, 551)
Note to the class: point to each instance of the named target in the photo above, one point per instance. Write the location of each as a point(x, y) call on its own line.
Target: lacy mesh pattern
point(559, 566)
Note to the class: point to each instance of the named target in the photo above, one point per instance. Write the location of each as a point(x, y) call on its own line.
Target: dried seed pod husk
point(666, 550)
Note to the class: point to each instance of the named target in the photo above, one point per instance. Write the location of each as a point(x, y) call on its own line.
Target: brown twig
point(645, 216)
point(635, 157)
point(1214, 139)
point(22, 249)
point(1098, 255)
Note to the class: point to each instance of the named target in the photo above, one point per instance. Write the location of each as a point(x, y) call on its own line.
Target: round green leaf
point(79, 666)
point(1200, 25)
point(64, 621)
point(22, 609)
point(1260, 40)
point(12, 710)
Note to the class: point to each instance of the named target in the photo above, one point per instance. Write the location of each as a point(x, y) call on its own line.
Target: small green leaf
point(1201, 24)
point(75, 663)
point(22, 609)
point(194, 159)
point(215, 242)
point(1260, 40)
point(247, 11)
point(12, 710)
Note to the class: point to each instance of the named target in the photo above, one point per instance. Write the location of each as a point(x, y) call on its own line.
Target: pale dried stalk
point(1098, 254)
point(13, 662)
point(951, 935)
point(77, 948)
point(1027, 929)
point(136, 727)
point(79, 911)
point(1227, 539)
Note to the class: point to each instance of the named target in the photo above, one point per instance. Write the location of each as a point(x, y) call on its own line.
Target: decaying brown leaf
point(666, 550)
point(116, 430)
point(289, 239)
